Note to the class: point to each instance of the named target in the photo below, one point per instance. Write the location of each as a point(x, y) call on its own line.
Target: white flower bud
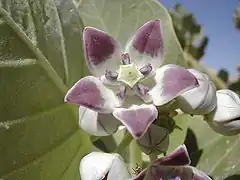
point(98, 166)
point(225, 119)
point(199, 100)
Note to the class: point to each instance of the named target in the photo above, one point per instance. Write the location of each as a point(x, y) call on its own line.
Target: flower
point(126, 84)
point(201, 99)
point(103, 166)
point(225, 118)
point(174, 166)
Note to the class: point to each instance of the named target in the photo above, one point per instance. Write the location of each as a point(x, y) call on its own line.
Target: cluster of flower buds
point(131, 87)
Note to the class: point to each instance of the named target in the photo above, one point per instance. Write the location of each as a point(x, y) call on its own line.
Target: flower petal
point(179, 157)
point(91, 93)
point(136, 119)
point(225, 118)
point(171, 81)
point(156, 139)
point(228, 128)
point(146, 46)
point(206, 96)
point(102, 52)
point(118, 170)
point(170, 172)
point(199, 175)
point(228, 106)
point(98, 165)
point(97, 124)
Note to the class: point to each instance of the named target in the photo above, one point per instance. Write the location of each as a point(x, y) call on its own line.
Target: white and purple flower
point(103, 166)
point(127, 84)
point(174, 166)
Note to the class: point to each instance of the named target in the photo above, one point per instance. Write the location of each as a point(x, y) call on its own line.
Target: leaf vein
point(223, 157)
point(8, 123)
point(17, 63)
point(50, 150)
point(63, 48)
point(41, 58)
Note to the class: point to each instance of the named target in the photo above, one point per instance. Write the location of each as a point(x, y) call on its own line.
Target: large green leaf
point(220, 154)
point(40, 58)
point(213, 153)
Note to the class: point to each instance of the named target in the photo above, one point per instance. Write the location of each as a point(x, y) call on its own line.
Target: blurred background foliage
point(236, 17)
point(189, 33)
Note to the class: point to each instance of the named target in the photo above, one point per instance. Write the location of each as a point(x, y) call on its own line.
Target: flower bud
point(199, 100)
point(155, 140)
point(98, 166)
point(225, 119)
point(97, 124)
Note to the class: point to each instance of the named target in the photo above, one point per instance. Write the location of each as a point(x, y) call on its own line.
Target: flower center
point(129, 74)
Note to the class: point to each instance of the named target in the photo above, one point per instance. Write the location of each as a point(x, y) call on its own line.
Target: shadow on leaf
point(233, 177)
point(192, 146)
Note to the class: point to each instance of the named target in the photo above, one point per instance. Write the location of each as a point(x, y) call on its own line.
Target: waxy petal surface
point(146, 46)
point(199, 175)
point(171, 81)
point(206, 96)
point(228, 106)
point(102, 52)
point(179, 157)
point(225, 118)
point(170, 172)
point(91, 93)
point(228, 128)
point(97, 124)
point(98, 166)
point(174, 166)
point(137, 118)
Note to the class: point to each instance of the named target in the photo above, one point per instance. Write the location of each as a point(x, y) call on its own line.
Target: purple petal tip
point(138, 119)
point(178, 157)
point(98, 45)
point(149, 38)
point(178, 80)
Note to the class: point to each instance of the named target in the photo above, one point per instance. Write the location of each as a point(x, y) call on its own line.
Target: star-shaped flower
point(127, 84)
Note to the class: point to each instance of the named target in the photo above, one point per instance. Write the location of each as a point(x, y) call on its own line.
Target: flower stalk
point(153, 156)
point(124, 143)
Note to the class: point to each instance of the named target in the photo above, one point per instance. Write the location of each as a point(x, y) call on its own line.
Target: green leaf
point(122, 18)
point(40, 58)
point(220, 153)
point(213, 153)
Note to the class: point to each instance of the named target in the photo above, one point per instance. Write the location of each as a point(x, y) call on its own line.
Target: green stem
point(135, 155)
point(124, 143)
point(153, 156)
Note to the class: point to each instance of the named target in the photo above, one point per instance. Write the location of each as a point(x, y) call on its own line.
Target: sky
point(223, 50)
